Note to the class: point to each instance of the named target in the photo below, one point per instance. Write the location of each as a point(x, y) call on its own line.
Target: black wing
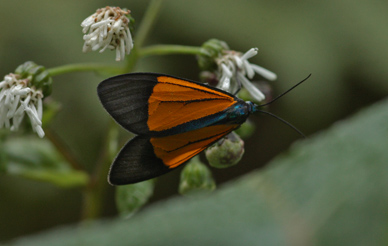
point(136, 162)
point(126, 99)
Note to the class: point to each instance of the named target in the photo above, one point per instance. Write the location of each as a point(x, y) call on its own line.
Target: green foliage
point(37, 159)
point(196, 178)
point(130, 198)
point(327, 190)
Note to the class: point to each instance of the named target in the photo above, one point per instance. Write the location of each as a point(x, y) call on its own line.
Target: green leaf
point(37, 159)
point(331, 189)
point(130, 198)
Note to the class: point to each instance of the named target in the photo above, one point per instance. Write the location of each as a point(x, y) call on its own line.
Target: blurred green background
point(343, 44)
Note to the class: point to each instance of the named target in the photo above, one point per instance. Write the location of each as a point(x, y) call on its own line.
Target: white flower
point(16, 100)
point(235, 65)
point(108, 28)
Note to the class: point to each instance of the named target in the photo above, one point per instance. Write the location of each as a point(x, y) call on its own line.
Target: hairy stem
point(96, 190)
point(147, 22)
point(83, 67)
point(169, 50)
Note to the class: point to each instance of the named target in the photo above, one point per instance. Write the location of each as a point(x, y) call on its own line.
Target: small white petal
point(40, 108)
point(39, 130)
point(88, 21)
point(105, 43)
point(91, 35)
point(3, 115)
point(6, 123)
point(8, 99)
point(224, 81)
point(118, 58)
point(264, 72)
point(12, 110)
point(86, 48)
point(21, 92)
point(8, 79)
point(107, 13)
point(226, 71)
point(16, 122)
point(100, 23)
point(96, 47)
point(225, 85)
point(129, 39)
point(238, 61)
point(104, 32)
point(122, 48)
point(248, 69)
point(20, 110)
point(35, 112)
point(117, 25)
point(255, 93)
point(2, 94)
point(33, 117)
point(250, 53)
point(26, 101)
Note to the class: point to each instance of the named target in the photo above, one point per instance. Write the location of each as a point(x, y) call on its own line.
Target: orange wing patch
point(174, 102)
point(176, 149)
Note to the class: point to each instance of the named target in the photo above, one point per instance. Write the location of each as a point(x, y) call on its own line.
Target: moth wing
point(144, 158)
point(151, 104)
point(175, 102)
point(136, 162)
point(125, 98)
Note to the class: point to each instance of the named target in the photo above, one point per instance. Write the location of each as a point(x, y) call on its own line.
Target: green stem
point(96, 190)
point(147, 22)
point(170, 49)
point(83, 67)
point(142, 33)
point(63, 149)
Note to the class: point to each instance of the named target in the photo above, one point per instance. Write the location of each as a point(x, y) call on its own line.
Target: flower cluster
point(108, 28)
point(235, 65)
point(18, 99)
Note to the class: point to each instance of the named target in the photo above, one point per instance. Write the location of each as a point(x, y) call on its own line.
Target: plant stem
point(63, 149)
point(142, 33)
point(169, 50)
point(83, 67)
point(147, 22)
point(96, 190)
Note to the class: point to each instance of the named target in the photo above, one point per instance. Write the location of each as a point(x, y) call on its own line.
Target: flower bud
point(196, 177)
point(226, 152)
point(213, 48)
point(37, 75)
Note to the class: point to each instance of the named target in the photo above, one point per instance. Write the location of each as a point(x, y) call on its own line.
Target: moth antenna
point(284, 121)
point(284, 93)
point(276, 98)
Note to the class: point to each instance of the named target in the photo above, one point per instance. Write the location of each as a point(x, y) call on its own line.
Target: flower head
point(232, 68)
point(18, 98)
point(108, 28)
point(235, 65)
point(196, 177)
point(226, 152)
